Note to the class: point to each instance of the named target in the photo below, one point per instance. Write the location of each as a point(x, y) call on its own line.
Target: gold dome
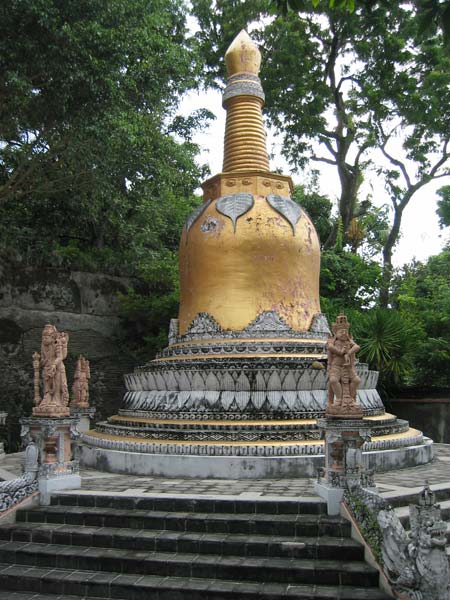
point(236, 275)
point(249, 248)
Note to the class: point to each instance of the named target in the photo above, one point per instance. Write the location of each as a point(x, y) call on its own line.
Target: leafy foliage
point(367, 523)
point(91, 168)
point(422, 298)
point(347, 281)
point(318, 208)
point(341, 84)
point(443, 209)
point(387, 345)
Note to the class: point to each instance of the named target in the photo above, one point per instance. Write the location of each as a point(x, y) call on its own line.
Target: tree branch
point(348, 78)
point(323, 159)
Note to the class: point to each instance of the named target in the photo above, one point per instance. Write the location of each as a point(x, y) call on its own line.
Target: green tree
point(387, 345)
point(94, 162)
point(422, 298)
point(318, 207)
point(443, 209)
point(342, 87)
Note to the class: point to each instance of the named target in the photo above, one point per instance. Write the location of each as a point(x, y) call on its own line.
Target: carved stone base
point(51, 411)
point(344, 439)
point(342, 412)
point(54, 438)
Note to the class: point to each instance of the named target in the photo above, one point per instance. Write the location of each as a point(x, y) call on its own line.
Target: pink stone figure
point(80, 388)
point(343, 381)
point(56, 395)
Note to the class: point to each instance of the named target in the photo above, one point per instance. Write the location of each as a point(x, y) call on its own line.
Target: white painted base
point(48, 486)
point(241, 467)
point(331, 495)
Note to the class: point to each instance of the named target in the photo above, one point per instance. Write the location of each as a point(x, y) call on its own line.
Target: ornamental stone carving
point(192, 218)
point(55, 400)
point(173, 331)
point(287, 208)
point(80, 388)
point(203, 324)
point(343, 380)
point(319, 324)
point(415, 562)
point(269, 320)
point(235, 205)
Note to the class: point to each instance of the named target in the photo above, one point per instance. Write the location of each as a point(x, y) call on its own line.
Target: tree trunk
point(387, 256)
point(350, 181)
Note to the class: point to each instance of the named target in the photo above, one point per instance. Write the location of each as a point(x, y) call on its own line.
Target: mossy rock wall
point(82, 304)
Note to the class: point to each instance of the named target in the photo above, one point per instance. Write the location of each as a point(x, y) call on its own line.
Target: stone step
point(248, 524)
point(256, 569)
point(307, 505)
point(83, 584)
point(325, 547)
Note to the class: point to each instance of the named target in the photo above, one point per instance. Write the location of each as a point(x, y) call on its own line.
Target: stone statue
point(80, 388)
point(56, 395)
point(343, 381)
point(417, 564)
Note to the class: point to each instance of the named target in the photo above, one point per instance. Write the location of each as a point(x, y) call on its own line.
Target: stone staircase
point(157, 548)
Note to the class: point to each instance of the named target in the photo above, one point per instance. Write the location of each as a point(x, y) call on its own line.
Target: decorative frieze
point(268, 324)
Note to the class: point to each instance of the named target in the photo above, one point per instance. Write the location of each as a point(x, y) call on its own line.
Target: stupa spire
point(243, 99)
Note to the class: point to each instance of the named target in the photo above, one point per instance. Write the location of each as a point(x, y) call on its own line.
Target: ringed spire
point(243, 99)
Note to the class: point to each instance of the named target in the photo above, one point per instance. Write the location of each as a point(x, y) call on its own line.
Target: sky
point(421, 236)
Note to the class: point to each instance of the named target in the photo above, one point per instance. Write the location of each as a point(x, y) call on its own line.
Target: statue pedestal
point(53, 437)
point(344, 439)
point(84, 415)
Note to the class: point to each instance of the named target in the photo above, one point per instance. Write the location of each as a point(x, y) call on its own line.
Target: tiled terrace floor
point(392, 483)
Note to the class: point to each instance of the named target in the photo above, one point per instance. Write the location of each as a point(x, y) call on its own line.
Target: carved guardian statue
point(343, 381)
point(54, 381)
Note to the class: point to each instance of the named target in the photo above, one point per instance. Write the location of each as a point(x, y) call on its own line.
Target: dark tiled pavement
point(391, 483)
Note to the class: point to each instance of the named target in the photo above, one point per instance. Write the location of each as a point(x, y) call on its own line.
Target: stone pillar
point(344, 439)
point(53, 437)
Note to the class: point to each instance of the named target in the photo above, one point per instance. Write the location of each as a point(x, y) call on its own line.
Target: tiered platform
point(224, 404)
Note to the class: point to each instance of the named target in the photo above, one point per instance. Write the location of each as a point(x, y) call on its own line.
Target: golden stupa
point(256, 250)
point(239, 388)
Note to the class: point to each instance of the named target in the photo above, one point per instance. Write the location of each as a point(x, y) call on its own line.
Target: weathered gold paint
point(235, 276)
point(258, 183)
point(229, 424)
point(245, 137)
point(242, 55)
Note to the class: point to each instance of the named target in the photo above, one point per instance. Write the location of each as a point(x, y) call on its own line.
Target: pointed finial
point(243, 56)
